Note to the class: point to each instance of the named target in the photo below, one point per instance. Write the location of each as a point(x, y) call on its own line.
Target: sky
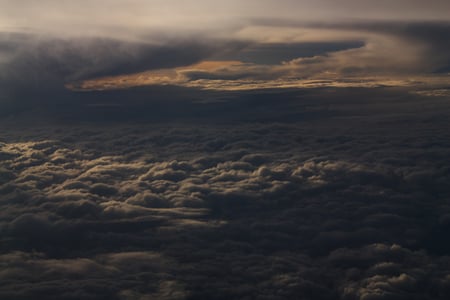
point(224, 149)
point(255, 44)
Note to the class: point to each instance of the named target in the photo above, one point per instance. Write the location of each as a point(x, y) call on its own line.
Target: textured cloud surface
point(332, 197)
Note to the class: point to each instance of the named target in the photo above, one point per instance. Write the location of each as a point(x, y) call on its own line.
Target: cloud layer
point(348, 204)
point(101, 15)
point(205, 150)
point(265, 53)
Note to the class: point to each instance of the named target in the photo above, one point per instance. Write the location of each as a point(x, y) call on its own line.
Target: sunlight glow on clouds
point(382, 60)
point(85, 45)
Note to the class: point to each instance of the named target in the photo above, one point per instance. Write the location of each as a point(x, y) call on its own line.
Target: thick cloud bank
point(348, 203)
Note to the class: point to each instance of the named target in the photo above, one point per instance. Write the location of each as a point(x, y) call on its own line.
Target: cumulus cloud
point(348, 203)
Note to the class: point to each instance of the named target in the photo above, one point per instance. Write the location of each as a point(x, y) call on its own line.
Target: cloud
point(45, 61)
point(347, 203)
point(144, 155)
point(21, 266)
point(286, 54)
point(424, 36)
point(138, 15)
point(263, 53)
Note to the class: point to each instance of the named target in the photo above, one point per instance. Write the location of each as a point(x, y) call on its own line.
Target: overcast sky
point(200, 19)
point(64, 43)
point(49, 14)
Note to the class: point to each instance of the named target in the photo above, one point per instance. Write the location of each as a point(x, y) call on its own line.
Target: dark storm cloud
point(429, 37)
point(42, 61)
point(38, 59)
point(35, 67)
point(433, 36)
point(276, 53)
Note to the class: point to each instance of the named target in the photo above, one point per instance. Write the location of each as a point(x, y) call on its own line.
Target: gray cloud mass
point(348, 204)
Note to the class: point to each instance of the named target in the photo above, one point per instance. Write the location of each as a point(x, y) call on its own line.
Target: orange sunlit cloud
point(173, 76)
